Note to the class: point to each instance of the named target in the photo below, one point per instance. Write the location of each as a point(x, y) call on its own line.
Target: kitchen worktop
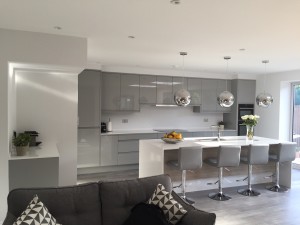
point(149, 131)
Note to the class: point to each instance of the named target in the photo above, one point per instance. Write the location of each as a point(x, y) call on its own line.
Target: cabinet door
point(164, 90)
point(130, 92)
point(194, 87)
point(111, 90)
point(209, 95)
point(147, 89)
point(223, 85)
point(88, 145)
point(246, 91)
point(89, 98)
point(179, 83)
point(109, 150)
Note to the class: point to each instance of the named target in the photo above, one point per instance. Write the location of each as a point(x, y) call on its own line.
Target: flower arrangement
point(250, 120)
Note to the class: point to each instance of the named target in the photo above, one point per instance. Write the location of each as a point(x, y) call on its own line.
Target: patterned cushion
point(171, 208)
point(36, 213)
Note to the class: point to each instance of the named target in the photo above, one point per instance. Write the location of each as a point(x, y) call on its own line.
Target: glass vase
point(250, 132)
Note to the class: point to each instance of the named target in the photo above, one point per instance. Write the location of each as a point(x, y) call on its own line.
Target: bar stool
point(227, 156)
point(256, 155)
point(283, 152)
point(189, 158)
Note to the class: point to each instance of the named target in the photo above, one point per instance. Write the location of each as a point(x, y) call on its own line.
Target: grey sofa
point(102, 203)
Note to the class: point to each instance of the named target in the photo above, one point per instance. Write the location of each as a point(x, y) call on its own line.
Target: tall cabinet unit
point(244, 93)
point(89, 113)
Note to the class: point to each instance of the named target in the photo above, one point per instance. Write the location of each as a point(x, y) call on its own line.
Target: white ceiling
point(207, 29)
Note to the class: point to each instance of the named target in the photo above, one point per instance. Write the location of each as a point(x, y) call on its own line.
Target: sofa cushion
point(36, 213)
point(145, 214)
point(171, 208)
point(73, 205)
point(119, 197)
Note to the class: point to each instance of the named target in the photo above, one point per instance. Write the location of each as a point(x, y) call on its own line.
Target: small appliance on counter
point(103, 127)
point(33, 134)
point(109, 126)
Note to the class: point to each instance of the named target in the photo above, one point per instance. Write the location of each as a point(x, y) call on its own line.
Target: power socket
point(124, 120)
point(205, 120)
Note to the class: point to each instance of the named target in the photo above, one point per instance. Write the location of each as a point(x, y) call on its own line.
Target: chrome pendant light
point(264, 99)
point(182, 97)
point(226, 98)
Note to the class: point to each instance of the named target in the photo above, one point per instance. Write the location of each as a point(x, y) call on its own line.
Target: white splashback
point(151, 117)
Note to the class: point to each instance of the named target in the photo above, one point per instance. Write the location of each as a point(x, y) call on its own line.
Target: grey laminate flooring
point(269, 208)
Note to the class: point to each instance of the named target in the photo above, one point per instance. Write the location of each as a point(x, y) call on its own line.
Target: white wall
point(275, 120)
point(47, 102)
point(161, 117)
point(29, 48)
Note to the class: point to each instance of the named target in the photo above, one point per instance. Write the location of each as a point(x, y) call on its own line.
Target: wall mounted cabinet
point(164, 90)
point(89, 98)
point(120, 92)
point(147, 89)
point(194, 87)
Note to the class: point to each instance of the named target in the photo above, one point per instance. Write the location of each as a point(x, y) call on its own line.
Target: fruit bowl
point(171, 140)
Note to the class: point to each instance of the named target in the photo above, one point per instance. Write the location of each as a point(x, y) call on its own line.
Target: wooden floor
point(268, 209)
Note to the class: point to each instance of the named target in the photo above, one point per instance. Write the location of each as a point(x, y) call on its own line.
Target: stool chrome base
point(219, 196)
point(248, 192)
point(277, 188)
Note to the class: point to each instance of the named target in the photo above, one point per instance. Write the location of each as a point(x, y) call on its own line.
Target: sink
point(224, 139)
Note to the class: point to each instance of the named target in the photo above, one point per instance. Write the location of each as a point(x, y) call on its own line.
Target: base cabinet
point(109, 151)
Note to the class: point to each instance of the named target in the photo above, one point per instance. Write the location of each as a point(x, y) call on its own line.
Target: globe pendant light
point(182, 97)
point(226, 98)
point(264, 99)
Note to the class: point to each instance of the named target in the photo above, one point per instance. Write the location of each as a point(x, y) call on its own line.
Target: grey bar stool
point(227, 156)
point(256, 155)
point(189, 158)
point(283, 152)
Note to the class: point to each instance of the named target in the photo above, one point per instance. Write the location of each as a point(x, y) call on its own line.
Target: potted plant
point(21, 141)
point(221, 125)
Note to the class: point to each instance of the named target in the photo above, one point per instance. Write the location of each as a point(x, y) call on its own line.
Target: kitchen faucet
point(219, 131)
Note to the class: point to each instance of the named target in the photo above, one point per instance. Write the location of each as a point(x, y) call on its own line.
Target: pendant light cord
point(264, 86)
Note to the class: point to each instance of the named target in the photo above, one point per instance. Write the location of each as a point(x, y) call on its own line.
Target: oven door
point(242, 130)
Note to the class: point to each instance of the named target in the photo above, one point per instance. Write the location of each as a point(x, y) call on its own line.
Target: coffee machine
point(103, 127)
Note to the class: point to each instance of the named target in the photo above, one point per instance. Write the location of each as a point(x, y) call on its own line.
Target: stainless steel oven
point(244, 109)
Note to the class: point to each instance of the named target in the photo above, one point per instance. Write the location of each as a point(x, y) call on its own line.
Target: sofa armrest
point(9, 219)
point(194, 216)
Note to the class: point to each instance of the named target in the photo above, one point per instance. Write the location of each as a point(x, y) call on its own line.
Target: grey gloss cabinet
point(209, 95)
point(130, 92)
point(179, 83)
point(111, 91)
point(89, 98)
point(211, 88)
point(109, 150)
point(246, 91)
point(164, 90)
point(194, 86)
point(147, 89)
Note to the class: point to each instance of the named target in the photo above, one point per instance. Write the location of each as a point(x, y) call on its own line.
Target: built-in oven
point(244, 109)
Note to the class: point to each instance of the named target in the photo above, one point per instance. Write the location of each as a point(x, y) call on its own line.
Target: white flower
point(245, 117)
point(251, 117)
point(256, 116)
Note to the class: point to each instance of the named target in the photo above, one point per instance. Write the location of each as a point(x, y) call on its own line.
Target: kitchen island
point(154, 155)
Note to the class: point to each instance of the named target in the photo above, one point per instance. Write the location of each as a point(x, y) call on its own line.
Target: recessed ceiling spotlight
point(131, 37)
point(242, 49)
point(57, 27)
point(175, 2)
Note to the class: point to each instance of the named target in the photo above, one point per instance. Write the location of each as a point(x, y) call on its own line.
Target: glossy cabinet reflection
point(147, 89)
point(129, 98)
point(194, 87)
point(111, 91)
point(165, 90)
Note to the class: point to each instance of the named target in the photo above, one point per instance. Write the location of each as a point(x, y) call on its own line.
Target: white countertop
point(42, 151)
point(146, 131)
point(207, 142)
